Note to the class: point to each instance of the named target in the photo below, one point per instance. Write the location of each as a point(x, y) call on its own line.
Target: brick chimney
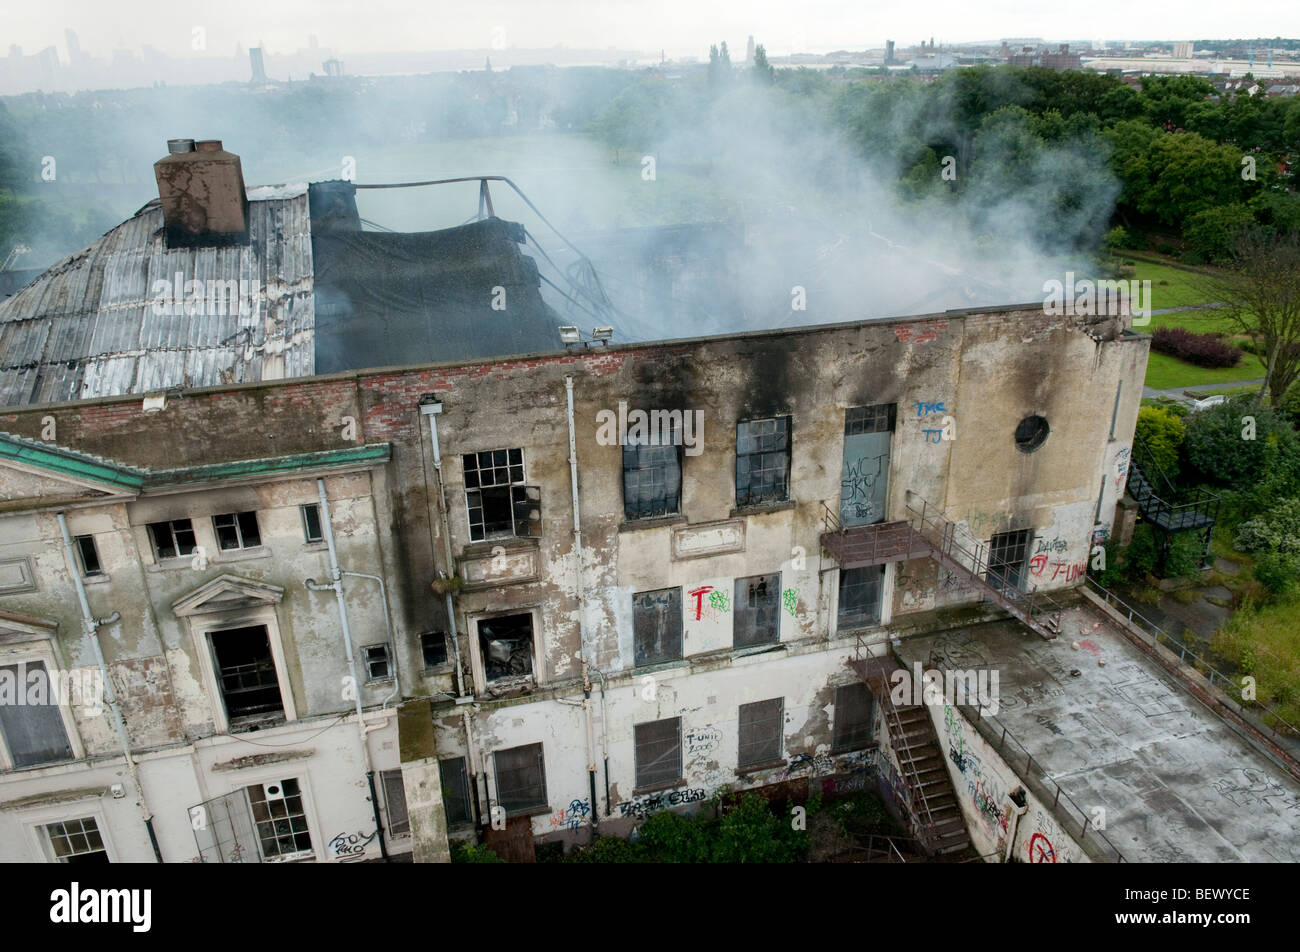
point(202, 192)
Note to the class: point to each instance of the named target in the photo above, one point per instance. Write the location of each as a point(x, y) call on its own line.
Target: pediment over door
point(228, 593)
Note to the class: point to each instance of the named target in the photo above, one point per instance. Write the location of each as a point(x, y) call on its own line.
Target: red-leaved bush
point(1204, 350)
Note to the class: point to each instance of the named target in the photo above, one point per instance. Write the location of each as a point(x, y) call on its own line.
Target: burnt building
point(382, 567)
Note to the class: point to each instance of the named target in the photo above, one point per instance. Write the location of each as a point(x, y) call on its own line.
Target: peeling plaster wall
point(982, 782)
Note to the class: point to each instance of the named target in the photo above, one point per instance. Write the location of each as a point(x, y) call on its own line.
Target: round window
point(1031, 433)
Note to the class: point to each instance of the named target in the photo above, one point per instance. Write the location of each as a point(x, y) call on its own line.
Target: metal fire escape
point(1168, 517)
point(926, 534)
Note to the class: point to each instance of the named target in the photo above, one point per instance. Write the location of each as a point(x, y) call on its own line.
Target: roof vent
point(175, 146)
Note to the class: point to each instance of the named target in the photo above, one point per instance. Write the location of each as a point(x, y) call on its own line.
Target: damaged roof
point(315, 295)
point(98, 323)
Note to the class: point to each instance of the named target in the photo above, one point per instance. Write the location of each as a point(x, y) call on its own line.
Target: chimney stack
point(202, 192)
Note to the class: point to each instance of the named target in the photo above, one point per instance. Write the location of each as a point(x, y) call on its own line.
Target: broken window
point(30, 717)
point(172, 539)
point(521, 779)
point(1007, 554)
point(507, 646)
point(760, 732)
point(237, 530)
point(312, 530)
point(658, 752)
point(456, 791)
point(763, 461)
point(280, 819)
point(399, 821)
point(77, 841)
point(377, 668)
point(246, 675)
point(758, 611)
point(1031, 433)
point(851, 729)
point(657, 626)
point(860, 593)
point(498, 502)
point(652, 478)
point(433, 645)
point(88, 556)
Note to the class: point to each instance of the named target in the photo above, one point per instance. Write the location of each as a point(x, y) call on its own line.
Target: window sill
point(763, 508)
point(170, 565)
point(528, 811)
point(656, 522)
point(759, 768)
point(656, 787)
point(100, 579)
point(444, 668)
point(241, 555)
point(483, 547)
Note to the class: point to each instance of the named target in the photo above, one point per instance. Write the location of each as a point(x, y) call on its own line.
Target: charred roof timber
point(202, 191)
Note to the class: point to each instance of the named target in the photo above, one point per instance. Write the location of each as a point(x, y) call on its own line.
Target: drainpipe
point(336, 575)
point(585, 653)
point(1018, 810)
point(604, 738)
point(90, 627)
point(431, 410)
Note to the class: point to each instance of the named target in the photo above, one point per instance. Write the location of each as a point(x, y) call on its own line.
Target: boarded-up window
point(860, 590)
point(521, 779)
point(864, 477)
point(852, 722)
point(456, 791)
point(763, 461)
point(657, 625)
point(760, 732)
point(652, 479)
point(758, 611)
point(399, 822)
point(30, 717)
point(658, 752)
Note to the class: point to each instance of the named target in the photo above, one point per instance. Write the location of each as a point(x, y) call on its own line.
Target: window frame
point(386, 777)
point(778, 755)
point(478, 663)
point(852, 624)
point(98, 833)
point(446, 651)
point(79, 544)
point(646, 784)
point(306, 814)
point(527, 808)
point(153, 528)
point(739, 589)
point(240, 530)
point(638, 661)
point(522, 498)
point(749, 501)
point(241, 723)
point(371, 677)
point(838, 743)
point(35, 820)
point(306, 524)
point(25, 653)
point(635, 450)
point(469, 791)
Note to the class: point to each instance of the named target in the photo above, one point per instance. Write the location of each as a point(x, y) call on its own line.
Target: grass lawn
point(1170, 287)
point(1265, 643)
point(1166, 373)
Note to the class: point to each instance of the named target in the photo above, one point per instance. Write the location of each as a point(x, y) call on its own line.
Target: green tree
point(1162, 432)
point(762, 68)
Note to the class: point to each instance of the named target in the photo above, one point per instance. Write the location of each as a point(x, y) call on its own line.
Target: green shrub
point(1184, 557)
point(1277, 530)
point(609, 849)
point(474, 853)
point(1216, 447)
point(1279, 572)
point(670, 838)
point(1142, 553)
point(1210, 233)
point(750, 833)
point(1163, 433)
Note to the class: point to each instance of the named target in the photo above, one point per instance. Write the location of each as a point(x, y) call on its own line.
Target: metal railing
point(922, 828)
point(1062, 800)
point(1158, 636)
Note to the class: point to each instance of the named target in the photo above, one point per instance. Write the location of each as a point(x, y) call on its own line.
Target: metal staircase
point(1163, 509)
point(924, 534)
point(933, 812)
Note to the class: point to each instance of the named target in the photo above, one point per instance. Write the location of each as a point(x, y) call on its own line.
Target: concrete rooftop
point(1176, 782)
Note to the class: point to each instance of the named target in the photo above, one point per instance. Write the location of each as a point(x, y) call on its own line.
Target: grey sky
point(680, 27)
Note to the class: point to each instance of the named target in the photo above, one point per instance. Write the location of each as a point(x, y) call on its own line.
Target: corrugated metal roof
point(89, 327)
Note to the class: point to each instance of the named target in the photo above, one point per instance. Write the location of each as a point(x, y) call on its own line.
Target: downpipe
point(336, 583)
point(90, 627)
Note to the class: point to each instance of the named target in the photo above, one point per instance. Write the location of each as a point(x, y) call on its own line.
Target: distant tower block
point(255, 59)
point(749, 51)
point(889, 52)
point(333, 67)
